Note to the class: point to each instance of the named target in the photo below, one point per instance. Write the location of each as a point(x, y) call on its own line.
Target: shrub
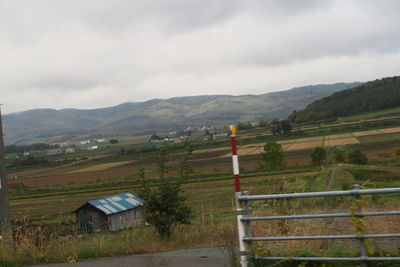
point(357, 157)
point(318, 156)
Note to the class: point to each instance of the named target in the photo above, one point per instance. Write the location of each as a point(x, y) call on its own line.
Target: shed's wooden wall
point(125, 219)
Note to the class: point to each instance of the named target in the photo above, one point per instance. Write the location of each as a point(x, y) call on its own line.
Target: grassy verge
point(33, 245)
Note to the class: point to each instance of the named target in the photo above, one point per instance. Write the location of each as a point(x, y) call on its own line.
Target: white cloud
point(96, 53)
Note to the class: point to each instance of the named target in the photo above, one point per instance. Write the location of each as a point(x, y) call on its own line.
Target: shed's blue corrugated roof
point(116, 203)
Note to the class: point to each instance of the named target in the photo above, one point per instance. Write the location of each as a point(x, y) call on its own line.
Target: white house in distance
point(70, 150)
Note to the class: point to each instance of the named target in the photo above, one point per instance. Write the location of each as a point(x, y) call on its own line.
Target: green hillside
point(158, 115)
point(368, 97)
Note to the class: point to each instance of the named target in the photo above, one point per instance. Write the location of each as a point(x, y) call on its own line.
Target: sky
point(100, 53)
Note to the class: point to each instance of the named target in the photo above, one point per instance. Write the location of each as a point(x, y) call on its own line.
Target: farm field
point(304, 145)
point(337, 136)
point(341, 141)
point(92, 172)
point(61, 205)
point(213, 164)
point(51, 194)
point(312, 142)
point(100, 167)
point(212, 202)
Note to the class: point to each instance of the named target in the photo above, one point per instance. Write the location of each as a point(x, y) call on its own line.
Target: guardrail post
point(241, 230)
point(360, 229)
point(248, 230)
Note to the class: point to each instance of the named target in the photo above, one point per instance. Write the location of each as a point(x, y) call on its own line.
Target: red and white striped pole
point(235, 160)
point(239, 206)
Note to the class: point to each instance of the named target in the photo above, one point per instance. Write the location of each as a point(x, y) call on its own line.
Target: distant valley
point(159, 115)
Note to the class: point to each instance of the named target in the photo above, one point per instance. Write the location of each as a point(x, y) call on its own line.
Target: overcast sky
point(99, 53)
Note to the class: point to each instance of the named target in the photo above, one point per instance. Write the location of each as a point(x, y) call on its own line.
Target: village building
point(219, 136)
point(53, 152)
point(111, 213)
point(70, 150)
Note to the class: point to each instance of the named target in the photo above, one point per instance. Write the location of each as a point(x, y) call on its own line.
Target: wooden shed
point(111, 213)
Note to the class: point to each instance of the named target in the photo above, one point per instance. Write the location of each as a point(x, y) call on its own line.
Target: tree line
point(24, 148)
point(274, 158)
point(368, 97)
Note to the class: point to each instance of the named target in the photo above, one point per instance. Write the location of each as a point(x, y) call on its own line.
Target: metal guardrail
point(354, 192)
point(244, 216)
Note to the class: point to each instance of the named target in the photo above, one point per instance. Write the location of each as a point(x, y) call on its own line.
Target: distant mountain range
point(159, 115)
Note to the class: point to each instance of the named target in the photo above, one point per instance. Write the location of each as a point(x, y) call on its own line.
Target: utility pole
point(4, 205)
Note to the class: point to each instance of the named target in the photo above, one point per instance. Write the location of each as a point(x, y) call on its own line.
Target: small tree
point(318, 156)
point(164, 205)
point(263, 124)
point(357, 157)
point(285, 126)
point(279, 127)
point(162, 161)
point(244, 126)
point(339, 155)
point(184, 166)
point(275, 127)
point(273, 155)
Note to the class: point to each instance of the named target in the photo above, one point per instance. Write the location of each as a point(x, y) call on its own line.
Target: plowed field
point(304, 145)
point(341, 141)
point(390, 130)
point(364, 133)
point(336, 136)
point(100, 167)
point(309, 139)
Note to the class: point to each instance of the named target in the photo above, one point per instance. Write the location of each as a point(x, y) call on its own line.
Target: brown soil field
point(372, 132)
point(250, 151)
point(342, 141)
point(100, 167)
point(390, 137)
point(284, 142)
point(211, 149)
point(336, 136)
point(54, 171)
point(78, 178)
point(286, 146)
point(253, 145)
point(304, 145)
point(246, 151)
point(309, 139)
point(390, 130)
point(374, 149)
point(28, 172)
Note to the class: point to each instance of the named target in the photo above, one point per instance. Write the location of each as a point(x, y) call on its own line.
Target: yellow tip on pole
point(233, 129)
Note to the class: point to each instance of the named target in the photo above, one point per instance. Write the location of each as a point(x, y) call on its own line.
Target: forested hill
point(370, 96)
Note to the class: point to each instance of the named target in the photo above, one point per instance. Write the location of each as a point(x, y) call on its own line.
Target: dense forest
point(370, 96)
